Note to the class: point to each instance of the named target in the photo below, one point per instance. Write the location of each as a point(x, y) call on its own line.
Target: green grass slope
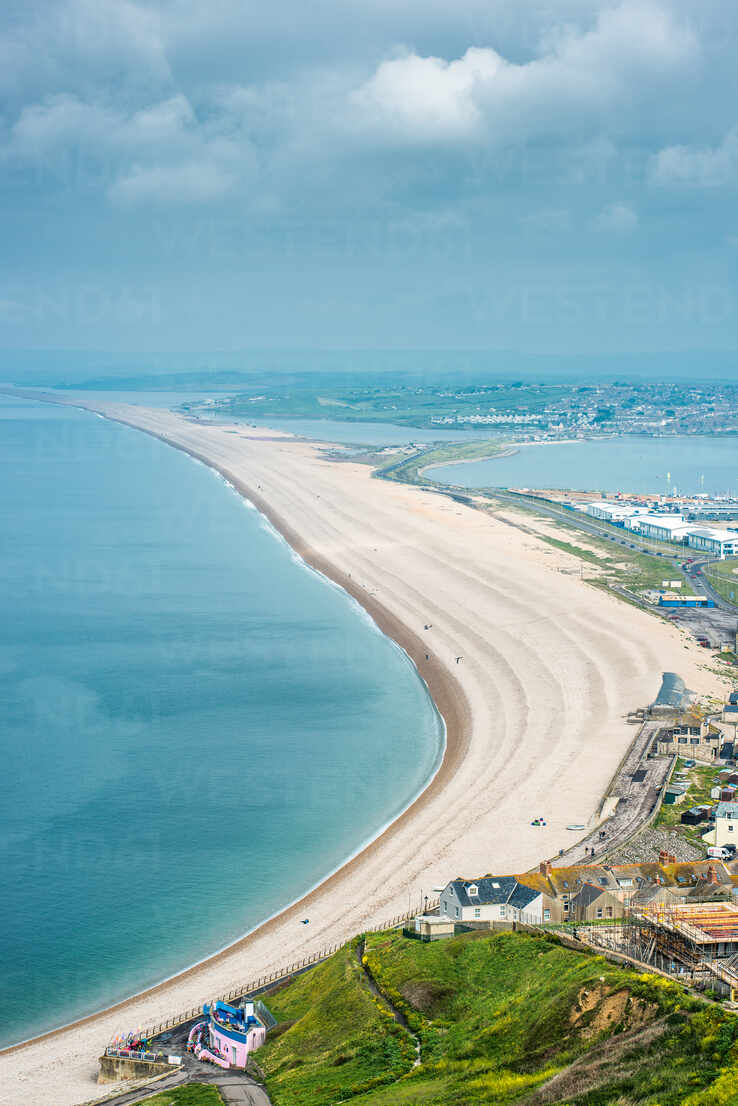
point(499, 1018)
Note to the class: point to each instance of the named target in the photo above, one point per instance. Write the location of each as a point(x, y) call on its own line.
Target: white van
point(717, 852)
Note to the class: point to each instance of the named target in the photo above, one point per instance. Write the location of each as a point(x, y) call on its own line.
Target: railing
point(265, 1016)
point(262, 982)
point(132, 1054)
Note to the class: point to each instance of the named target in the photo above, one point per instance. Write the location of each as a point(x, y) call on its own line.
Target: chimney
point(546, 868)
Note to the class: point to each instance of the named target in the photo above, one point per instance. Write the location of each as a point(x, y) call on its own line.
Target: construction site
point(694, 942)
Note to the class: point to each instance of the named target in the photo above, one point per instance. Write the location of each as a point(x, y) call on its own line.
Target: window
point(477, 912)
point(599, 911)
point(472, 889)
point(457, 911)
point(503, 911)
point(682, 740)
point(609, 912)
point(547, 915)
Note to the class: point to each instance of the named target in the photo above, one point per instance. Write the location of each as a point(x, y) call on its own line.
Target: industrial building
point(671, 599)
point(662, 527)
point(718, 543)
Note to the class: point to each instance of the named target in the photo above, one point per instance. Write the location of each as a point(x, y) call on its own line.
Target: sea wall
point(115, 1068)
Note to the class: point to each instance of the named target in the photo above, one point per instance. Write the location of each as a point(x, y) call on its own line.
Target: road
point(236, 1088)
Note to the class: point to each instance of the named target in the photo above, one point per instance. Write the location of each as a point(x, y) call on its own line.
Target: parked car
point(689, 763)
point(719, 852)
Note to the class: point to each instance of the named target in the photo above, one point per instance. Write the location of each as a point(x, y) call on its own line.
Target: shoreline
point(447, 696)
point(535, 714)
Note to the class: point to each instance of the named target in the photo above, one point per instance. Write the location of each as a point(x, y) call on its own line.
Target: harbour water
point(689, 465)
point(196, 728)
point(345, 432)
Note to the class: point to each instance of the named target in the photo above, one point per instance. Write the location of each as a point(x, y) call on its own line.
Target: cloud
point(181, 184)
point(160, 153)
point(429, 97)
point(616, 218)
point(481, 95)
point(693, 167)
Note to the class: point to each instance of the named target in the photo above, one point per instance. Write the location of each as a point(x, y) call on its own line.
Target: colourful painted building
point(229, 1034)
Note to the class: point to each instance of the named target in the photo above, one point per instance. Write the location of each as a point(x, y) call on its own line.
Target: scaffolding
point(694, 943)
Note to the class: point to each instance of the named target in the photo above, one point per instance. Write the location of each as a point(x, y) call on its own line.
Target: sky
point(539, 176)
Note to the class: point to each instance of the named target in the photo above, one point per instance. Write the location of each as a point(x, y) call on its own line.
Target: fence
point(132, 1054)
point(262, 982)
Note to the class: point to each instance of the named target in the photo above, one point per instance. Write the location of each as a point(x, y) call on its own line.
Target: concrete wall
point(115, 1068)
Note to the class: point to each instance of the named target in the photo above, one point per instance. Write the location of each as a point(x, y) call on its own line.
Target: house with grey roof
point(490, 899)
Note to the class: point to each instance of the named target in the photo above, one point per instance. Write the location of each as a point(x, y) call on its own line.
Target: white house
point(726, 824)
point(491, 899)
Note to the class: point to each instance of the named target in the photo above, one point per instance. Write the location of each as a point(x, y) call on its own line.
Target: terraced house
point(585, 892)
point(690, 736)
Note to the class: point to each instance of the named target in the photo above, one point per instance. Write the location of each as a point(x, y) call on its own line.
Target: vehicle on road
point(719, 852)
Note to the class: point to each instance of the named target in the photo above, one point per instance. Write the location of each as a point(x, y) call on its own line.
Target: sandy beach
point(533, 669)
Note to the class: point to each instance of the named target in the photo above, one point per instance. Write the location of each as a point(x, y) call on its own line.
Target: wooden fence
point(263, 981)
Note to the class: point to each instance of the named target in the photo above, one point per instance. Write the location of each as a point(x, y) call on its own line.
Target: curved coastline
point(447, 696)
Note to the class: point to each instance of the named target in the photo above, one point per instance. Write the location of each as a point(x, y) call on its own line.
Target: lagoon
point(688, 465)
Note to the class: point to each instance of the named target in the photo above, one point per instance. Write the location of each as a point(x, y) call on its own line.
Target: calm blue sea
point(634, 464)
point(195, 728)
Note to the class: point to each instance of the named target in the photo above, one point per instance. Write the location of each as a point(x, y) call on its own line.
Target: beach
point(533, 670)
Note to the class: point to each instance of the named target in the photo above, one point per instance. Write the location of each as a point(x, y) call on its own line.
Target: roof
point(715, 534)
point(590, 893)
point(490, 890)
point(523, 896)
point(727, 810)
point(666, 522)
point(705, 924)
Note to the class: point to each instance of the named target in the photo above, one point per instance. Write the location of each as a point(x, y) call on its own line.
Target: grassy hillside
point(192, 1094)
point(497, 1018)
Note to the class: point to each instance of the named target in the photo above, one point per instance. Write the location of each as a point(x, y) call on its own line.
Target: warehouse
point(662, 527)
point(720, 543)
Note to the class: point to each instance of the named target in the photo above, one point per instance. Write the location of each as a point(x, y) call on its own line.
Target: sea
point(196, 727)
point(636, 463)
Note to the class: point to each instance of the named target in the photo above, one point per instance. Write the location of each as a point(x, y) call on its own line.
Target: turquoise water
point(636, 464)
point(195, 727)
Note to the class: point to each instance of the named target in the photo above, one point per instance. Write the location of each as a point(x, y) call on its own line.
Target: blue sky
point(534, 176)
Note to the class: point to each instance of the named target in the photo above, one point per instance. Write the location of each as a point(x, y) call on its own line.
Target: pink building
point(229, 1033)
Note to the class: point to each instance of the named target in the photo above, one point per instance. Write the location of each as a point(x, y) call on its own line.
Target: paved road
point(235, 1087)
